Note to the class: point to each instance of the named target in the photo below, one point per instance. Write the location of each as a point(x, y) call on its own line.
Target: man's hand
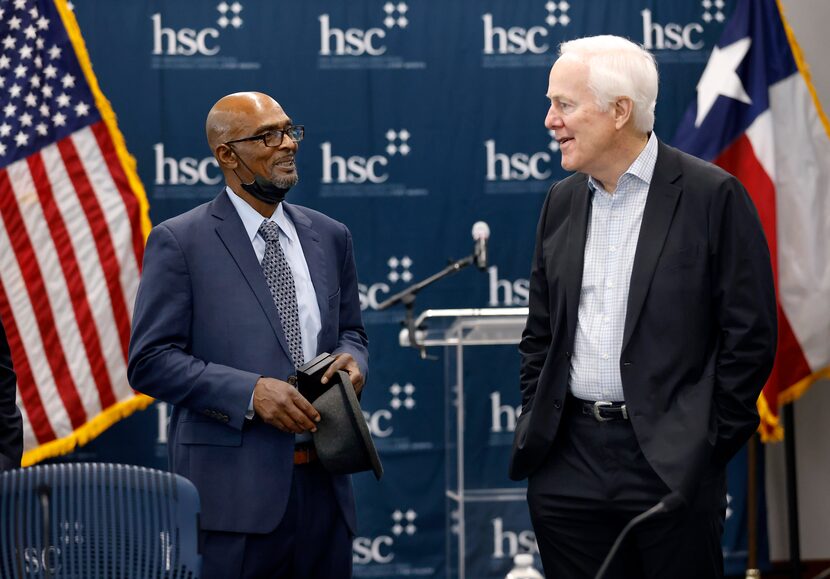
point(279, 404)
point(347, 363)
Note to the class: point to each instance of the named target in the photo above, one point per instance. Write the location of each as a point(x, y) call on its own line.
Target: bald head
point(237, 115)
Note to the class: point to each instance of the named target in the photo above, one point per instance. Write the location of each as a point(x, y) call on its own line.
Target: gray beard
point(285, 182)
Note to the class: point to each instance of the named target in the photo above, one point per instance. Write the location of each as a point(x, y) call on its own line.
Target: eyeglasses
point(274, 138)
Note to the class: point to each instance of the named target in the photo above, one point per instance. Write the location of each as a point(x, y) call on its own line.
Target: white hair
point(618, 68)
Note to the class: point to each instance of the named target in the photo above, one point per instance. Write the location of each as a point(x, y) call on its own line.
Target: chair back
point(105, 521)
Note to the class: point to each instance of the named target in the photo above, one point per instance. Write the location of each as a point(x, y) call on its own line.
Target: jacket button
point(567, 354)
point(557, 404)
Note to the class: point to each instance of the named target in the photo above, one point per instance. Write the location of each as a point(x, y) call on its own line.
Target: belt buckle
point(596, 407)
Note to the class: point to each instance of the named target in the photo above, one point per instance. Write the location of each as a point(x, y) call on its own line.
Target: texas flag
point(757, 115)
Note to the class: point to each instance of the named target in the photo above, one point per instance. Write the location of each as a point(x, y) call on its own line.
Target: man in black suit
point(11, 423)
point(652, 330)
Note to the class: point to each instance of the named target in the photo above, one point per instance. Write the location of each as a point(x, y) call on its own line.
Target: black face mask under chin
point(261, 188)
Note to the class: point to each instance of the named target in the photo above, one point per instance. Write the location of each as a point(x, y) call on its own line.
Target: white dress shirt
point(613, 231)
point(308, 310)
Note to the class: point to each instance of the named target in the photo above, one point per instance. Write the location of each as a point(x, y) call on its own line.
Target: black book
point(309, 375)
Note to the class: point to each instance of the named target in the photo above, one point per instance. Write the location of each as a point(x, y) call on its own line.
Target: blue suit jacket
point(205, 328)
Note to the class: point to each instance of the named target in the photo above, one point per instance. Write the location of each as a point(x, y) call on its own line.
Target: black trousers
point(311, 542)
point(593, 482)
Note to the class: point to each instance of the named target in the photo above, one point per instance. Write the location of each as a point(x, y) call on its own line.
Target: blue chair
point(105, 521)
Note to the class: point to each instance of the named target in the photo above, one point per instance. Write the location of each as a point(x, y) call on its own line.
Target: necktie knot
point(269, 231)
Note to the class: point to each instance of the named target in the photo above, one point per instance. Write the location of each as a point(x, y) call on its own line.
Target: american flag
point(757, 116)
point(73, 220)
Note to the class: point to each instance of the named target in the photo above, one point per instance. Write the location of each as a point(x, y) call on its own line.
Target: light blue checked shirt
point(609, 258)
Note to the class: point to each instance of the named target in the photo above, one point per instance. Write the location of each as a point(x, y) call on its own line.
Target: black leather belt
point(601, 410)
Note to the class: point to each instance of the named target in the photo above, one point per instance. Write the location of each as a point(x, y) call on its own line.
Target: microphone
point(481, 233)
point(667, 504)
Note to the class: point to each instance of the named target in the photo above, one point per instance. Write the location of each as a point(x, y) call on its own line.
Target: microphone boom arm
point(407, 297)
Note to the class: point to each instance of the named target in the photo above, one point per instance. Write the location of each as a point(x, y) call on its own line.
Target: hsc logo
point(353, 47)
point(396, 426)
point(349, 175)
point(505, 292)
point(508, 171)
point(178, 45)
point(184, 177)
point(400, 269)
point(508, 543)
point(683, 40)
point(380, 421)
point(523, 44)
point(378, 550)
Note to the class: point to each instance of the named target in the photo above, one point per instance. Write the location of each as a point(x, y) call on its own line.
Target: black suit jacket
point(11, 423)
point(700, 327)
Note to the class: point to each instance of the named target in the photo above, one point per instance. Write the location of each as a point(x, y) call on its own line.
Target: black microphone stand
point(668, 503)
point(407, 297)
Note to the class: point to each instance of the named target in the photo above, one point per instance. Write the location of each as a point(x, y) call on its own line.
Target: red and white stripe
point(69, 282)
point(784, 161)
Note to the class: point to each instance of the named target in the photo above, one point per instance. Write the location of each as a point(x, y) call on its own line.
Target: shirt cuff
point(249, 415)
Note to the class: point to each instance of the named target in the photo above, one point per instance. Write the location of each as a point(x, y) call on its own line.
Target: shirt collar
point(642, 168)
point(251, 219)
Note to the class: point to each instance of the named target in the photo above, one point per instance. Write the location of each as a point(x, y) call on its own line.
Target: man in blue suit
point(235, 295)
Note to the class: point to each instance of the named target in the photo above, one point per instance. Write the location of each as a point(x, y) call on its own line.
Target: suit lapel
point(663, 195)
point(314, 257)
point(232, 233)
point(575, 255)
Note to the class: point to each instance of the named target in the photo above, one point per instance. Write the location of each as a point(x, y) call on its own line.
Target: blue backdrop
point(422, 117)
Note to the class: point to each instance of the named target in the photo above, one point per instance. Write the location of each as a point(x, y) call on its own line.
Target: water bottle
point(523, 568)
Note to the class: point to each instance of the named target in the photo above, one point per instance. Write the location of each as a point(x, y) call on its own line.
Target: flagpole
point(792, 491)
point(752, 571)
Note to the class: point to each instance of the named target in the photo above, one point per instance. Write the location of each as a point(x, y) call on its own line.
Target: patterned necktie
point(281, 283)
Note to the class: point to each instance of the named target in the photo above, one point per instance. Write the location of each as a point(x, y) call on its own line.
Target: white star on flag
point(721, 78)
